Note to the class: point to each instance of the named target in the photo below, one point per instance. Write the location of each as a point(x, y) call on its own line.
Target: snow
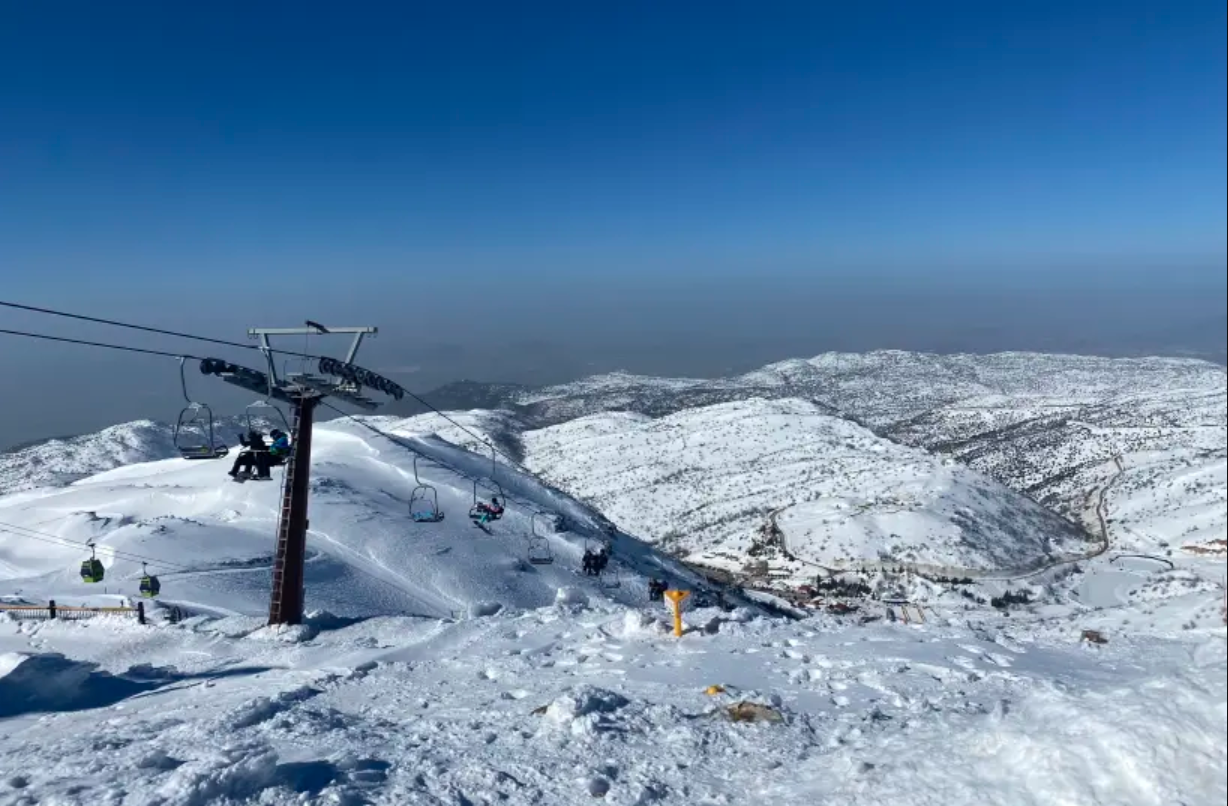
point(555, 705)
point(211, 540)
point(1044, 425)
point(57, 462)
point(707, 480)
point(438, 666)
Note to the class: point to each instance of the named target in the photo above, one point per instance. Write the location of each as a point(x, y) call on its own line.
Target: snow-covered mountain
point(1049, 426)
point(443, 667)
point(211, 539)
point(57, 462)
point(707, 483)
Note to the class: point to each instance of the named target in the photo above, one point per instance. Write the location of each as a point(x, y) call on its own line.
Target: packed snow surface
point(569, 703)
point(707, 480)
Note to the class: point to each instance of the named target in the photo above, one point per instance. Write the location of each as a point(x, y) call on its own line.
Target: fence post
point(140, 612)
point(51, 607)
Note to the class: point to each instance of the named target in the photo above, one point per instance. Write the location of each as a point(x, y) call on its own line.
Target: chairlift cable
point(399, 441)
point(32, 534)
point(104, 345)
point(495, 451)
point(238, 345)
point(143, 328)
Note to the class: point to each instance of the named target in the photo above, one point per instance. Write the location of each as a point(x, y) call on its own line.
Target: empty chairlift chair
point(424, 501)
point(610, 578)
point(424, 505)
point(91, 569)
point(539, 551)
point(194, 437)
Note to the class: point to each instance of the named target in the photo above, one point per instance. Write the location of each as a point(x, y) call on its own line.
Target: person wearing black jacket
point(246, 461)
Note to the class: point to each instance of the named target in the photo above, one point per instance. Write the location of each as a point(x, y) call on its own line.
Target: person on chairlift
point(246, 461)
point(275, 455)
point(489, 512)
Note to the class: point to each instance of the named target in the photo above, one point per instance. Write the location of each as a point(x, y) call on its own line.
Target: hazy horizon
point(780, 322)
point(533, 195)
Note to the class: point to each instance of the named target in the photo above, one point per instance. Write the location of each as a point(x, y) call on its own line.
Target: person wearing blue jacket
point(277, 453)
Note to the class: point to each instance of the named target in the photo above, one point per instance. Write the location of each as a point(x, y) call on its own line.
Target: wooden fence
point(51, 610)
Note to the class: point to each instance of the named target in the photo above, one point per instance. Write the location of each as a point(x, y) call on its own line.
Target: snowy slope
point(705, 481)
point(1045, 425)
point(211, 540)
point(57, 462)
point(1171, 502)
point(574, 704)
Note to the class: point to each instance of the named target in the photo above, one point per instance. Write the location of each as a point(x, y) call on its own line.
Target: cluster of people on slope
point(596, 561)
point(258, 456)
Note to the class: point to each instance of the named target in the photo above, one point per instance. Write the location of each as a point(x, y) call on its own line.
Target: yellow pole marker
point(675, 603)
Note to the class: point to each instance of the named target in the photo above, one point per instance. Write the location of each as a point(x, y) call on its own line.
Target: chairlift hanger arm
point(183, 381)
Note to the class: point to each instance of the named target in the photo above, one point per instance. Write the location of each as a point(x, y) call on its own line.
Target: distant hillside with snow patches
point(59, 462)
point(1048, 426)
point(704, 482)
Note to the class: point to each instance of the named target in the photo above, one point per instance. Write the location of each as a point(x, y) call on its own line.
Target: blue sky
point(524, 136)
point(360, 159)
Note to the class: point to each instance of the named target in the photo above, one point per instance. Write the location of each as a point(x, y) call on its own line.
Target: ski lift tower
point(303, 391)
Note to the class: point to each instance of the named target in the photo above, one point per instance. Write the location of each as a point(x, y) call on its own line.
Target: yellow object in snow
point(714, 689)
point(675, 598)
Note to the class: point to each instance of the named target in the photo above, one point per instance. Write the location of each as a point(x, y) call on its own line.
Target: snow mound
point(571, 596)
point(52, 682)
point(482, 609)
point(639, 624)
point(586, 711)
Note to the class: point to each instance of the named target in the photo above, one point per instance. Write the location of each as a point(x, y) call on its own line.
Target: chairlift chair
point(424, 505)
point(264, 404)
point(92, 569)
point(193, 436)
point(285, 426)
point(481, 516)
point(610, 578)
point(540, 552)
point(150, 586)
point(424, 500)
